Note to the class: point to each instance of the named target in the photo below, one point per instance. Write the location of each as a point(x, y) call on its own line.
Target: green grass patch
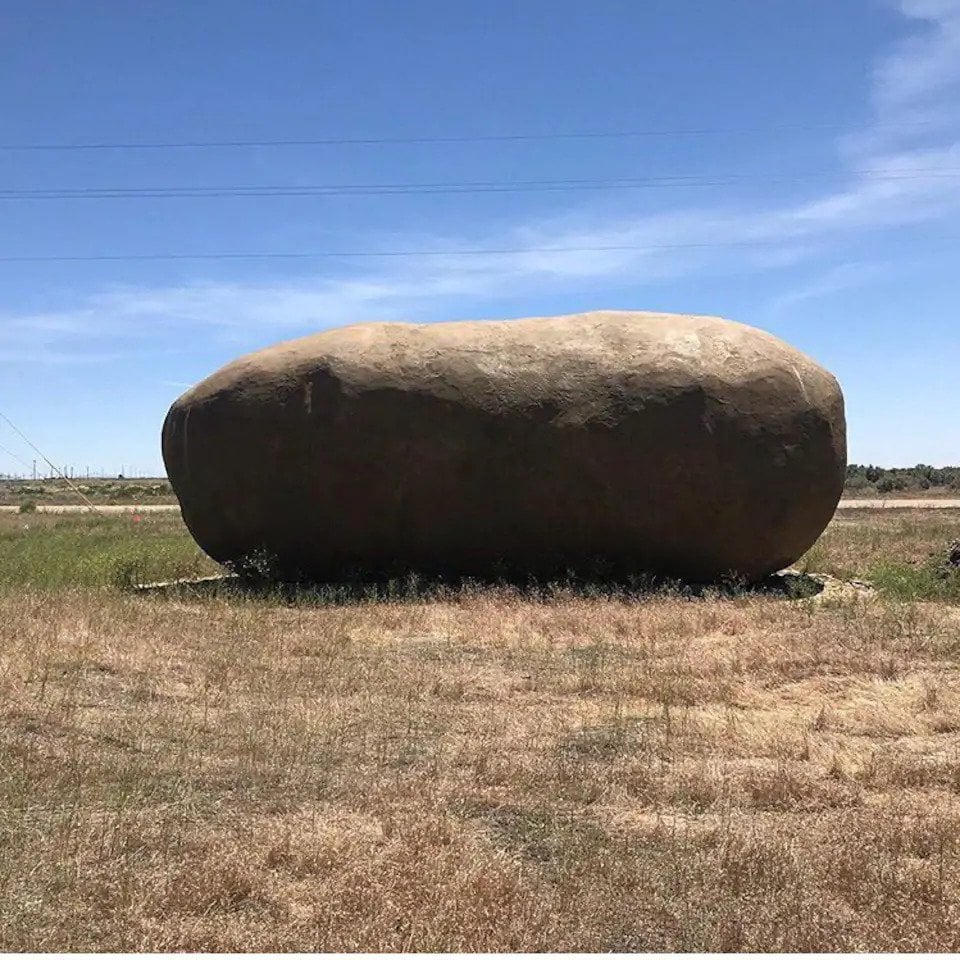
point(52, 552)
point(929, 581)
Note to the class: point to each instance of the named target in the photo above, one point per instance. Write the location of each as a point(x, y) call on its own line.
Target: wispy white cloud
point(914, 87)
point(925, 63)
point(892, 173)
point(914, 136)
point(845, 276)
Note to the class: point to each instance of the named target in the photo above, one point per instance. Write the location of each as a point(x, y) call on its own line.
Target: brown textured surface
point(690, 446)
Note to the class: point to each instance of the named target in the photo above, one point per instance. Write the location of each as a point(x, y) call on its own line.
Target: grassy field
point(98, 491)
point(486, 771)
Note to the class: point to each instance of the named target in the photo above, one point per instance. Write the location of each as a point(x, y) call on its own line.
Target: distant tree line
point(869, 479)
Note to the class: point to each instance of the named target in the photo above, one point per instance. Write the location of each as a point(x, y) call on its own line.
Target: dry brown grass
point(482, 774)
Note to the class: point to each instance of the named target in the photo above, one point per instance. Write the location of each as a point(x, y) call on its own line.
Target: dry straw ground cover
point(485, 771)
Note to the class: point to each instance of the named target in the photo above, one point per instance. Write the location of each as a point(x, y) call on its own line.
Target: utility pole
point(34, 469)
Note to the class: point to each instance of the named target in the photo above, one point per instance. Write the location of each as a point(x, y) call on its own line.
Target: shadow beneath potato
point(412, 588)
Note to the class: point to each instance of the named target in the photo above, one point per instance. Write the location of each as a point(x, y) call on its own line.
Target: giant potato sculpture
point(681, 445)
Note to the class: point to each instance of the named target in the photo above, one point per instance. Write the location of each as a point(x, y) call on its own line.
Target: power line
point(454, 187)
point(465, 138)
point(49, 462)
point(10, 453)
point(335, 254)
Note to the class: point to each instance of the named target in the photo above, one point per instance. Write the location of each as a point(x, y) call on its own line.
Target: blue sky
point(814, 146)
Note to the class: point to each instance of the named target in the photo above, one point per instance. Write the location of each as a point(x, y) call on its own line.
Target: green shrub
point(888, 483)
point(858, 482)
point(28, 506)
